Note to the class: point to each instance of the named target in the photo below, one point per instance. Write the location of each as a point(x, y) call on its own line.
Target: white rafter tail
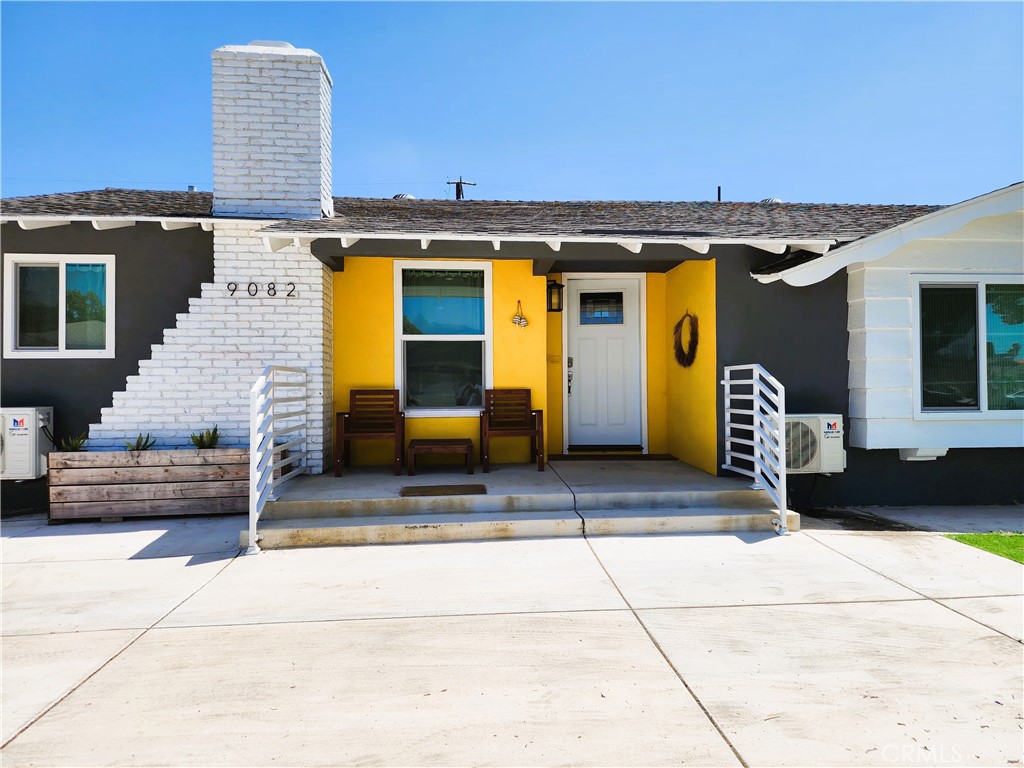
point(41, 223)
point(206, 225)
point(696, 247)
point(496, 244)
point(102, 224)
point(305, 242)
point(276, 244)
point(172, 225)
point(819, 248)
point(772, 247)
point(424, 243)
point(348, 242)
point(554, 245)
point(632, 246)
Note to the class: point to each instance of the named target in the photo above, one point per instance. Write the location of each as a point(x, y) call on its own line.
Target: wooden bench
point(447, 445)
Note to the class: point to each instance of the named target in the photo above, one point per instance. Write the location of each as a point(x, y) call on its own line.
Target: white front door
point(603, 362)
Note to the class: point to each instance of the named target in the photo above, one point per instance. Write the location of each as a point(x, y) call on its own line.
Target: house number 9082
point(253, 289)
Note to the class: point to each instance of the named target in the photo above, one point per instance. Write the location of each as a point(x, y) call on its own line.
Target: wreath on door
point(685, 357)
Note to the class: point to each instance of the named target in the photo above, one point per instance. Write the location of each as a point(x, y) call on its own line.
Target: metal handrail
point(759, 446)
point(263, 438)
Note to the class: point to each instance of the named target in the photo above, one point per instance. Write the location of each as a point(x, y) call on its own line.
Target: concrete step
point(746, 500)
point(409, 529)
point(619, 522)
point(419, 528)
point(680, 500)
point(418, 505)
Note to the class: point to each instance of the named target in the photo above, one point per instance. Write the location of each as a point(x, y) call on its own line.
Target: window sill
point(968, 415)
point(34, 354)
point(471, 412)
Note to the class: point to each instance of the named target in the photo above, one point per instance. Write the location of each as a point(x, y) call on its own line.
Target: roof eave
point(277, 239)
point(933, 225)
point(45, 221)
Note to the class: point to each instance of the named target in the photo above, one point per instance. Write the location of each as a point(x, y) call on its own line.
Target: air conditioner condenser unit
point(25, 443)
point(814, 443)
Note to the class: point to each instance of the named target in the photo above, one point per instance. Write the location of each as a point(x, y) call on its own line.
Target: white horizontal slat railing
point(278, 426)
point(755, 432)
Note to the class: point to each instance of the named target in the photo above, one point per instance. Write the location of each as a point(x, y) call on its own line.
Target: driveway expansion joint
point(675, 670)
point(107, 663)
point(935, 600)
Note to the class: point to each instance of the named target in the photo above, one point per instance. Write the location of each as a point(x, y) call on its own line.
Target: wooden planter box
point(119, 484)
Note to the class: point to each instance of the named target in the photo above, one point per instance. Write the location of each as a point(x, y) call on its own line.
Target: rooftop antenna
point(459, 194)
point(719, 193)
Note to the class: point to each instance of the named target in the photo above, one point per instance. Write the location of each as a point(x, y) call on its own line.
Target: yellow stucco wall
point(692, 392)
point(681, 402)
point(658, 352)
point(364, 348)
point(555, 371)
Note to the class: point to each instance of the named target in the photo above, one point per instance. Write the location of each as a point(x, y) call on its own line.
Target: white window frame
point(400, 337)
point(979, 283)
point(11, 263)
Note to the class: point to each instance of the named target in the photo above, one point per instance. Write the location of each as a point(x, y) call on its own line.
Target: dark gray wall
point(156, 273)
point(800, 336)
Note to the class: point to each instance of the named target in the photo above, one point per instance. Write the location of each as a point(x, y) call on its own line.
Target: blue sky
point(807, 102)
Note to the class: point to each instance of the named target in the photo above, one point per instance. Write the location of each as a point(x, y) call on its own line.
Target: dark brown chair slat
point(507, 413)
point(373, 414)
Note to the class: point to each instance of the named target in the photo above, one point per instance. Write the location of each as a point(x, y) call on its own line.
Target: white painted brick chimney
point(271, 132)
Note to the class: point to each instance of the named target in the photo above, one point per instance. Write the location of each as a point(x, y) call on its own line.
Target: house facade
point(153, 312)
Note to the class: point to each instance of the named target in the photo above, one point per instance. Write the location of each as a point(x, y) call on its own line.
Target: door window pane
point(86, 308)
point(38, 307)
point(949, 344)
point(1004, 346)
point(443, 302)
point(443, 374)
point(601, 308)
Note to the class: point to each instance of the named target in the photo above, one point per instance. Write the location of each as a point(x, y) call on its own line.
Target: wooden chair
point(507, 413)
point(373, 414)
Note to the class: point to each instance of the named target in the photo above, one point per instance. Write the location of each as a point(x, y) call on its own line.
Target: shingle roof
point(112, 202)
point(639, 220)
point(616, 219)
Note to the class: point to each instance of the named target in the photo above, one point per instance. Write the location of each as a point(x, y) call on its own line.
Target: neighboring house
point(137, 311)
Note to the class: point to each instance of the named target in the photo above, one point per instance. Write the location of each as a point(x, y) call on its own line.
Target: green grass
point(1008, 545)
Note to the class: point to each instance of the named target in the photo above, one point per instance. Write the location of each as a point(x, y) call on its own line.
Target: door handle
point(570, 381)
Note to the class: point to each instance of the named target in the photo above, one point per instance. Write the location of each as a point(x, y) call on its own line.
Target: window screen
point(949, 346)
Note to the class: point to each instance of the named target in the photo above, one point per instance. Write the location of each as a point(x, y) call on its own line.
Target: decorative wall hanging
point(685, 357)
point(519, 318)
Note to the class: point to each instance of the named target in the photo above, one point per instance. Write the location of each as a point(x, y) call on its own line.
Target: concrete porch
point(570, 498)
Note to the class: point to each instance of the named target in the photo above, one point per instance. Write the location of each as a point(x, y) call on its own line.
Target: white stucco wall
point(883, 355)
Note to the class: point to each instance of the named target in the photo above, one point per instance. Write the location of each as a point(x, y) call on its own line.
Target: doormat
point(443, 490)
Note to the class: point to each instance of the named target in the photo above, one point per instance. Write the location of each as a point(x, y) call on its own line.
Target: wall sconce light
point(555, 296)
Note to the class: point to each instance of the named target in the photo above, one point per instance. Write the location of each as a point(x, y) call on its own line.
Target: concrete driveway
point(154, 643)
